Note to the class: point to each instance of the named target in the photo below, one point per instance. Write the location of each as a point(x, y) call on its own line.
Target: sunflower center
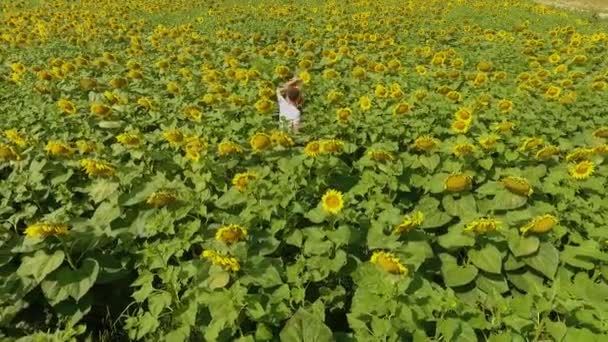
point(332, 201)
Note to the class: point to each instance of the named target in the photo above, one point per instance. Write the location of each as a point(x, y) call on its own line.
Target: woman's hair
point(294, 95)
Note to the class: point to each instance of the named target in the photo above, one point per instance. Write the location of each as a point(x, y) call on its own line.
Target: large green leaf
point(545, 260)
point(40, 264)
point(66, 282)
point(488, 258)
point(305, 327)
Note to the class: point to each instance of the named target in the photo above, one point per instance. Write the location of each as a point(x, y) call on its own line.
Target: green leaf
point(491, 283)
point(455, 275)
point(105, 213)
point(522, 245)
point(305, 327)
point(488, 258)
point(40, 264)
point(455, 238)
point(506, 200)
point(456, 330)
point(486, 163)
point(430, 162)
point(545, 260)
point(316, 215)
point(102, 189)
point(262, 272)
point(67, 282)
point(463, 207)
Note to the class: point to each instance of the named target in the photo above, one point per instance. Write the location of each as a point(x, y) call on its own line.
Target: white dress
point(287, 111)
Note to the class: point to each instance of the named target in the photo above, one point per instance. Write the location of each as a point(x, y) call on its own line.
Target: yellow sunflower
point(100, 109)
point(380, 155)
point(582, 170)
point(66, 106)
point(313, 148)
point(426, 143)
point(332, 201)
point(402, 108)
point(580, 153)
point(463, 149)
point(488, 141)
point(530, 144)
point(482, 226)
point(461, 127)
point(409, 222)
point(260, 142)
point(601, 132)
point(281, 138)
point(331, 146)
point(227, 147)
point(505, 106)
point(241, 180)
point(365, 103)
point(58, 148)
point(129, 139)
point(174, 136)
point(228, 263)
point(8, 153)
point(16, 137)
point(43, 230)
point(517, 185)
point(161, 198)
point(540, 224)
point(457, 182)
point(388, 262)
point(547, 152)
point(193, 113)
point(343, 114)
point(231, 233)
point(97, 168)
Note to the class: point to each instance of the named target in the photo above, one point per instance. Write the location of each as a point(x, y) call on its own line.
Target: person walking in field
point(290, 99)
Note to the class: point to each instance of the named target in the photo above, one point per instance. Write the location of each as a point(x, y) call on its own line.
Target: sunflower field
point(447, 184)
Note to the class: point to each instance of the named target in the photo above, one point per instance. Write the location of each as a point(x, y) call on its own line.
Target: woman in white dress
point(290, 99)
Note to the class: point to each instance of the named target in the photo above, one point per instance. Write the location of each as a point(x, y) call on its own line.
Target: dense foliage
point(448, 182)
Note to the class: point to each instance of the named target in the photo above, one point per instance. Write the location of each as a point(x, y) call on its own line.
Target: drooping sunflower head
point(547, 152)
point(409, 222)
point(482, 226)
point(281, 138)
point(553, 92)
point(463, 149)
point(582, 170)
point(58, 148)
point(260, 142)
point(193, 147)
point(601, 132)
point(388, 262)
point(193, 113)
point(463, 114)
point(228, 147)
point(332, 201)
point(97, 168)
point(241, 180)
point(343, 114)
point(331, 146)
point(313, 148)
point(174, 136)
point(8, 153)
point(505, 106)
point(16, 137)
point(46, 229)
point(263, 105)
point(162, 198)
point(580, 153)
point(129, 139)
point(530, 144)
point(380, 155)
point(402, 108)
point(66, 106)
point(540, 224)
point(504, 127)
point(144, 102)
point(227, 262)
point(457, 182)
point(100, 109)
point(602, 149)
point(517, 185)
point(425, 143)
point(231, 233)
point(488, 141)
point(460, 127)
